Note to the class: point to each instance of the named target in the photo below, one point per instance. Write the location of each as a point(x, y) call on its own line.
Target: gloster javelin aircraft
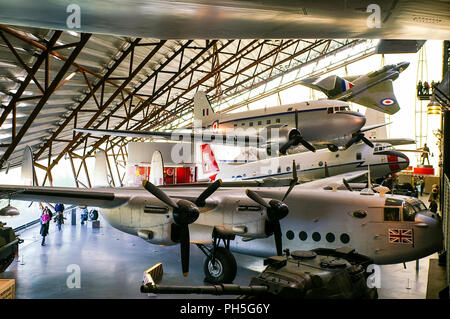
point(387, 228)
point(382, 160)
point(273, 129)
point(373, 89)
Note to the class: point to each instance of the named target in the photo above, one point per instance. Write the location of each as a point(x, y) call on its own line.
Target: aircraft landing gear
point(220, 265)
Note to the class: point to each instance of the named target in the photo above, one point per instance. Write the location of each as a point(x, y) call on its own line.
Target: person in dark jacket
point(59, 219)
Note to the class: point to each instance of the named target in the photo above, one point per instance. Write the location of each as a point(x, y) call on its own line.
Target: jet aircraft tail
point(203, 112)
point(332, 85)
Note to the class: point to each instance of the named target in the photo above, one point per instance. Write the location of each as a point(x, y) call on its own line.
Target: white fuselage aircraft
point(382, 161)
point(273, 129)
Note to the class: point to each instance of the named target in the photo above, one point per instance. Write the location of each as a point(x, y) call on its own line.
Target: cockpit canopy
point(402, 210)
point(335, 109)
point(382, 147)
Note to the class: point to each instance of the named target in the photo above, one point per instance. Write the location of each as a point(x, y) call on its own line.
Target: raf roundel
point(387, 102)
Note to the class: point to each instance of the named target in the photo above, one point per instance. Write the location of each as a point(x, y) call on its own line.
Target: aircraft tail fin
point(203, 112)
point(332, 85)
point(27, 173)
point(101, 178)
point(209, 163)
point(157, 169)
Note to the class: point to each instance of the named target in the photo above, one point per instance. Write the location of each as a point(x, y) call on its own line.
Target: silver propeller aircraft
point(387, 228)
point(372, 90)
point(382, 160)
point(273, 129)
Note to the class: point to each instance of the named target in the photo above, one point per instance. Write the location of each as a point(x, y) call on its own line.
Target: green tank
point(9, 246)
point(313, 274)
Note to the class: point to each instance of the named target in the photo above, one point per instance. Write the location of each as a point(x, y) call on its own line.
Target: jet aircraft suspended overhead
point(373, 89)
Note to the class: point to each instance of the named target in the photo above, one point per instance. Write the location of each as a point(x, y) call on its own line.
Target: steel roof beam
point(57, 79)
point(31, 73)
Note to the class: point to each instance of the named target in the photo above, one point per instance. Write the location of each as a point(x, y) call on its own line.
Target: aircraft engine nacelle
point(237, 216)
point(151, 220)
point(276, 136)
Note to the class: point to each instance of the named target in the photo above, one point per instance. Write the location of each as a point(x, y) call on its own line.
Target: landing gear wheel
point(93, 215)
point(224, 269)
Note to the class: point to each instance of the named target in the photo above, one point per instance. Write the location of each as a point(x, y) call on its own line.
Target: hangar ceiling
point(53, 81)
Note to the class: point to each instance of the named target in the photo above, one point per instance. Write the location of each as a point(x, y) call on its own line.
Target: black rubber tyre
point(93, 215)
point(225, 268)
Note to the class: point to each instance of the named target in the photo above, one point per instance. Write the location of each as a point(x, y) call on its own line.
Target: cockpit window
point(392, 213)
point(417, 205)
point(409, 212)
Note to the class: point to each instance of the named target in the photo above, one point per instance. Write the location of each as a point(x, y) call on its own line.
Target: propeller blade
point(347, 185)
point(352, 141)
point(158, 193)
point(278, 237)
point(184, 248)
point(286, 146)
point(293, 182)
point(307, 145)
point(367, 141)
point(296, 119)
point(200, 202)
point(255, 197)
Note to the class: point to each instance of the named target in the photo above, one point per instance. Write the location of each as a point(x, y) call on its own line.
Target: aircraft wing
point(206, 137)
point(66, 195)
point(380, 97)
point(372, 127)
point(335, 180)
point(394, 141)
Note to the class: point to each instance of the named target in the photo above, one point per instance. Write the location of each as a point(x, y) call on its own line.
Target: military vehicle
point(303, 274)
point(9, 246)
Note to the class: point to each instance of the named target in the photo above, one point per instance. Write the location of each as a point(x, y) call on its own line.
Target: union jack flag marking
point(401, 236)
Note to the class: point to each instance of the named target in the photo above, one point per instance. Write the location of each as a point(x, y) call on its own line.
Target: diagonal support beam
point(58, 78)
point(30, 76)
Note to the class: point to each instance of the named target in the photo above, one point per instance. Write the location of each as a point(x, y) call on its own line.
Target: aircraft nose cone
point(354, 120)
point(397, 161)
point(402, 66)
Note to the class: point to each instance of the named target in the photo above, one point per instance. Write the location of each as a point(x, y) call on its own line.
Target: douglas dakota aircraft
point(315, 123)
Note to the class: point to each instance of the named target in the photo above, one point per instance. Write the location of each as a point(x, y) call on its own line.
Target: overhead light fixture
point(433, 108)
point(9, 211)
point(71, 75)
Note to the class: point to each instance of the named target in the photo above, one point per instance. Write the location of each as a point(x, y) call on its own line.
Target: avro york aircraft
point(387, 228)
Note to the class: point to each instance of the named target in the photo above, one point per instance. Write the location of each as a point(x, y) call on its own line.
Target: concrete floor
point(112, 263)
